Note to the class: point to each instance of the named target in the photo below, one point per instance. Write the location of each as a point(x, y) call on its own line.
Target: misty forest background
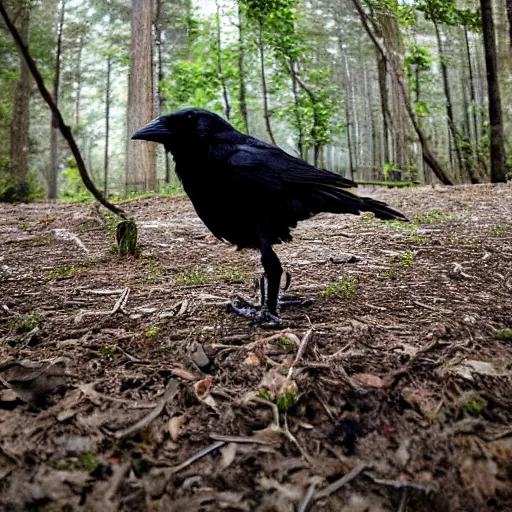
point(378, 90)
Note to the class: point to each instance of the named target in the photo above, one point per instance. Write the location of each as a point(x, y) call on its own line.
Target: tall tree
point(53, 174)
point(498, 170)
point(140, 156)
point(20, 113)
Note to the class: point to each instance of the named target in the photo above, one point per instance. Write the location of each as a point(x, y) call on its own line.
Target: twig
point(116, 480)
point(121, 302)
point(401, 484)
point(302, 348)
point(63, 234)
point(274, 407)
point(309, 494)
point(238, 439)
point(197, 456)
point(338, 484)
point(170, 393)
point(293, 439)
point(403, 501)
point(65, 130)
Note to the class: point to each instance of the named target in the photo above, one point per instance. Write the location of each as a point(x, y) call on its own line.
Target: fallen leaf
point(368, 380)
point(175, 425)
point(228, 453)
point(202, 388)
point(256, 358)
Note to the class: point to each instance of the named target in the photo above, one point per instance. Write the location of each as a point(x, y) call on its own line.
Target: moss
point(127, 236)
point(343, 286)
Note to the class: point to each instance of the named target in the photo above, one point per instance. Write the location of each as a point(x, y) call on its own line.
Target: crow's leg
point(273, 273)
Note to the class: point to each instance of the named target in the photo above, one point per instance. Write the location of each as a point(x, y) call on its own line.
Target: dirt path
point(403, 395)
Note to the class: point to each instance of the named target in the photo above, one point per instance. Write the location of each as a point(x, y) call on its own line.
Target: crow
point(251, 193)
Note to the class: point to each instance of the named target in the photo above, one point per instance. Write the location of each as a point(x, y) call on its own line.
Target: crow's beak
point(155, 131)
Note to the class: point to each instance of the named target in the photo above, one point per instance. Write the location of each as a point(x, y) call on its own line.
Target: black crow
point(251, 193)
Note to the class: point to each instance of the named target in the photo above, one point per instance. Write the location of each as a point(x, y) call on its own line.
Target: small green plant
point(26, 323)
point(504, 334)
point(287, 400)
point(284, 343)
point(152, 269)
point(193, 278)
point(406, 258)
point(108, 352)
point(474, 405)
point(390, 274)
point(65, 272)
point(152, 332)
point(499, 231)
point(88, 461)
point(416, 239)
point(265, 395)
point(343, 286)
point(232, 276)
point(434, 216)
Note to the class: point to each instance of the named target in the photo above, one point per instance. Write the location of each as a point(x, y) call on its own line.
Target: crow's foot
point(258, 315)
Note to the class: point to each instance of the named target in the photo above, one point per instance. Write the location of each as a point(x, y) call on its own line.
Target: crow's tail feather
point(335, 199)
point(381, 210)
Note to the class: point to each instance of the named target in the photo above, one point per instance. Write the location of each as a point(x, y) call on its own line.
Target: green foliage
point(65, 271)
point(341, 287)
point(504, 334)
point(193, 278)
point(286, 400)
point(108, 352)
point(26, 323)
point(474, 404)
point(499, 230)
point(73, 188)
point(152, 331)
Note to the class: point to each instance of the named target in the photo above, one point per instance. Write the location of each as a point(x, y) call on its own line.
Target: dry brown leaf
point(202, 388)
point(175, 425)
point(256, 358)
point(368, 380)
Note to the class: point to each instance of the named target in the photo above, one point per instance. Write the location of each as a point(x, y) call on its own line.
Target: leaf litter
point(395, 398)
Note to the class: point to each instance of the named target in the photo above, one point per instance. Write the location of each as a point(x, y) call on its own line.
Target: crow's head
point(183, 128)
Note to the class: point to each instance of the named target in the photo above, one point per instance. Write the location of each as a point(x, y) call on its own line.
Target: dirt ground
point(126, 385)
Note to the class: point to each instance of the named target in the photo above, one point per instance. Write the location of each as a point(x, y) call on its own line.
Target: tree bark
point(266, 112)
point(509, 17)
point(21, 108)
point(81, 43)
point(140, 155)
point(498, 170)
point(107, 125)
point(241, 71)
point(54, 130)
point(222, 78)
point(453, 132)
point(159, 5)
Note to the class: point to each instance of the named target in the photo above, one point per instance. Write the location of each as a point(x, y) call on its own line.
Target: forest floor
point(116, 374)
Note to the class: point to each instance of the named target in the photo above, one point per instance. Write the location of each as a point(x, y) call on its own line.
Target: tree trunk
point(140, 155)
point(107, 125)
point(21, 110)
point(54, 130)
point(159, 5)
point(78, 81)
point(222, 78)
point(472, 86)
point(498, 170)
point(241, 70)
point(266, 112)
point(384, 102)
point(509, 17)
point(453, 132)
point(298, 118)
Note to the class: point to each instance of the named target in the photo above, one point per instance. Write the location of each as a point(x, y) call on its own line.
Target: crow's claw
point(286, 301)
point(257, 314)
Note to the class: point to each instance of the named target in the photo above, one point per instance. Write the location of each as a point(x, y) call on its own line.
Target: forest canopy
point(377, 90)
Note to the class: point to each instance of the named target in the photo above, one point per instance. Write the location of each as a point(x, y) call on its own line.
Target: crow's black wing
point(268, 166)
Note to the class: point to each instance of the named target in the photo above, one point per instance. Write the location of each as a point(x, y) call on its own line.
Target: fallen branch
point(302, 349)
point(170, 393)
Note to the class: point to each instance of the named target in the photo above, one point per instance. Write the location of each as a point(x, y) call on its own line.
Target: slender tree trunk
point(509, 17)
point(453, 135)
point(384, 102)
point(241, 70)
point(472, 86)
point(81, 43)
point(298, 117)
point(54, 131)
point(140, 155)
point(21, 110)
point(107, 125)
point(266, 112)
point(159, 5)
point(498, 170)
point(225, 95)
